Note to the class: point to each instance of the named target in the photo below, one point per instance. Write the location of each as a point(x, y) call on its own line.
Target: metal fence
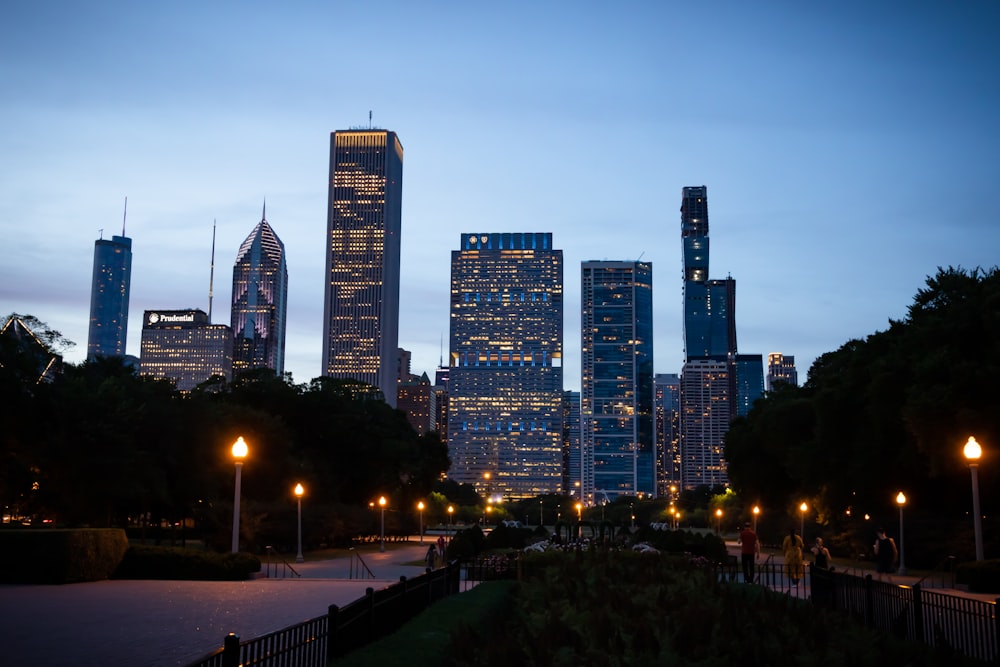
point(320, 640)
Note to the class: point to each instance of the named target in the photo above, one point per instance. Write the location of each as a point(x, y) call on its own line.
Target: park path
point(170, 623)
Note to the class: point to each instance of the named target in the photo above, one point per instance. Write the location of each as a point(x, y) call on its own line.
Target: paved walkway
point(169, 623)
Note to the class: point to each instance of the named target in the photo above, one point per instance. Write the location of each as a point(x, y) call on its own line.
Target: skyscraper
point(781, 368)
point(667, 411)
point(505, 383)
point(749, 382)
point(260, 295)
point(184, 347)
point(705, 420)
point(109, 292)
point(361, 310)
point(616, 392)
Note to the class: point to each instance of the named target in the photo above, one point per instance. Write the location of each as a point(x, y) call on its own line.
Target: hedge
point(60, 556)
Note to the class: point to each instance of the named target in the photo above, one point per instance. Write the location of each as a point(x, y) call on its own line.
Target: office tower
point(572, 473)
point(667, 411)
point(748, 370)
point(260, 297)
point(505, 383)
point(616, 392)
point(441, 402)
point(415, 396)
point(781, 368)
point(704, 421)
point(403, 360)
point(109, 292)
point(361, 309)
point(184, 347)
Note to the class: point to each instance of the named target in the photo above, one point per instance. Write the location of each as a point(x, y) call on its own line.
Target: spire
point(124, 214)
point(263, 214)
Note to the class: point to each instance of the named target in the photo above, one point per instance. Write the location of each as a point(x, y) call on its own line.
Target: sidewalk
point(169, 623)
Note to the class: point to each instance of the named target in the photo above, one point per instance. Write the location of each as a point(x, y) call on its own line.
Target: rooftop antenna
point(369, 119)
point(441, 353)
point(124, 214)
point(100, 233)
point(263, 215)
point(211, 274)
point(640, 255)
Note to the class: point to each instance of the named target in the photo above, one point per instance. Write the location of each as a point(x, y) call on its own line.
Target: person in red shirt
point(749, 550)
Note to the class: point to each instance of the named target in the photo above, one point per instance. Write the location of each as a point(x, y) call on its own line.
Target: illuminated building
point(704, 422)
point(571, 444)
point(616, 391)
point(781, 368)
point(748, 371)
point(361, 308)
point(260, 297)
point(182, 346)
point(667, 414)
point(416, 397)
point(109, 293)
point(505, 383)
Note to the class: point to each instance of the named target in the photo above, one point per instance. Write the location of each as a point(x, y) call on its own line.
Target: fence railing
point(359, 568)
point(316, 642)
point(275, 566)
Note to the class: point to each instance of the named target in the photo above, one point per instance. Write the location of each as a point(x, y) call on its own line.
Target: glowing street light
point(972, 453)
point(803, 508)
point(451, 514)
point(381, 504)
point(718, 520)
point(298, 496)
point(901, 500)
point(420, 508)
point(756, 513)
point(239, 453)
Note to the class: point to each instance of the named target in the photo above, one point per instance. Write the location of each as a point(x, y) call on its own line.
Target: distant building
point(705, 417)
point(505, 384)
point(260, 298)
point(667, 411)
point(182, 346)
point(361, 310)
point(749, 382)
point(416, 398)
point(781, 368)
point(572, 471)
point(109, 297)
point(616, 393)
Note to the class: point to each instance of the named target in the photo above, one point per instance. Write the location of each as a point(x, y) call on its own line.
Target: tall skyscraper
point(616, 391)
point(505, 383)
point(781, 368)
point(705, 420)
point(361, 311)
point(667, 411)
point(183, 346)
point(571, 445)
point(748, 370)
point(260, 295)
point(109, 292)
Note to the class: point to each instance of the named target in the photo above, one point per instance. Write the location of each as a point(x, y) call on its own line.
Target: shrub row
point(60, 556)
point(149, 562)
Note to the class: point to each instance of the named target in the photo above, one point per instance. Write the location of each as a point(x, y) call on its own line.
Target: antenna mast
point(124, 214)
point(211, 274)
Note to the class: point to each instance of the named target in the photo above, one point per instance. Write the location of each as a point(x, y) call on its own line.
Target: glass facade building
point(505, 383)
point(361, 308)
point(667, 411)
point(109, 294)
point(749, 374)
point(260, 297)
point(705, 420)
point(616, 391)
point(184, 347)
point(781, 368)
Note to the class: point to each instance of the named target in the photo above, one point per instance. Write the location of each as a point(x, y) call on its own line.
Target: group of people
point(435, 553)
point(792, 546)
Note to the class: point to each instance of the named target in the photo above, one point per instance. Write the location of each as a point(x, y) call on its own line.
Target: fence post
point(869, 590)
point(231, 650)
point(332, 634)
point(370, 633)
point(918, 613)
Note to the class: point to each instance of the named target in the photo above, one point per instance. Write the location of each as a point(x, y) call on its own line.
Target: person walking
point(749, 551)
point(431, 556)
point(885, 555)
point(792, 546)
point(821, 555)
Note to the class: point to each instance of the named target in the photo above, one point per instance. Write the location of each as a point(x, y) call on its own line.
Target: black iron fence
point(320, 640)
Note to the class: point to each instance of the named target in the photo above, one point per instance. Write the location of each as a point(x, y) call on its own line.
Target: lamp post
point(803, 508)
point(901, 500)
point(298, 496)
point(420, 509)
point(718, 520)
point(381, 504)
point(451, 513)
point(541, 513)
point(972, 453)
point(239, 453)
point(756, 513)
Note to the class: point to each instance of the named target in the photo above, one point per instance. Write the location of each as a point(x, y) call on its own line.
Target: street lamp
point(756, 513)
point(451, 512)
point(972, 453)
point(298, 496)
point(381, 504)
point(420, 508)
point(718, 520)
point(901, 500)
point(239, 453)
point(803, 508)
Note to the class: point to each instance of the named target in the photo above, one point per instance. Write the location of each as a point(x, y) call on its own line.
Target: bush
point(148, 562)
point(466, 543)
point(507, 537)
point(60, 556)
point(980, 576)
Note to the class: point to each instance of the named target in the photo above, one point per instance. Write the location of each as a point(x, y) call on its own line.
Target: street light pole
point(972, 453)
point(901, 500)
point(420, 508)
point(756, 512)
point(803, 508)
point(298, 496)
point(381, 504)
point(239, 453)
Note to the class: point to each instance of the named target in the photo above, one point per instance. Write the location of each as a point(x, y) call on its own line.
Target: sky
point(849, 150)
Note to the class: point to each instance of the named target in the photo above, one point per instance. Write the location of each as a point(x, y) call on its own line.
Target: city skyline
point(849, 152)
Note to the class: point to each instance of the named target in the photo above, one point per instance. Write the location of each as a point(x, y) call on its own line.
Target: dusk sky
point(849, 150)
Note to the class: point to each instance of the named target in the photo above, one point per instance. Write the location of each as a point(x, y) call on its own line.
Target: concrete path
point(169, 623)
